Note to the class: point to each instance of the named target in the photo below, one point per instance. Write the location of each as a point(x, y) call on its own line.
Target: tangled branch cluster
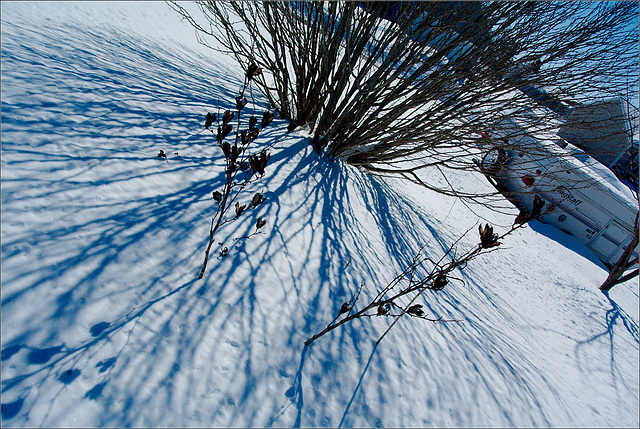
point(406, 89)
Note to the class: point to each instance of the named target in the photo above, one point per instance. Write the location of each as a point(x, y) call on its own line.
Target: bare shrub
point(400, 87)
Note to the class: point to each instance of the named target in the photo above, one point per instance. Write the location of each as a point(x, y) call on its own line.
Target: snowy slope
point(105, 324)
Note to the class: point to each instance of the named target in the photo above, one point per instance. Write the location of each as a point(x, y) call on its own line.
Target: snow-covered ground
point(105, 324)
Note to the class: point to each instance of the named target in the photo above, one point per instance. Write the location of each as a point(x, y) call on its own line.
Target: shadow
point(11, 409)
point(42, 356)
point(106, 364)
point(355, 392)
point(612, 316)
point(295, 393)
point(68, 376)
point(615, 313)
point(102, 243)
point(8, 352)
point(95, 392)
point(565, 240)
point(97, 329)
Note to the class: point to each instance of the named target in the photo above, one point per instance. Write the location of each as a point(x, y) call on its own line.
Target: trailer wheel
point(493, 160)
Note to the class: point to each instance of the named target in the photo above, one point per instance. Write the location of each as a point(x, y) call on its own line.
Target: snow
point(105, 324)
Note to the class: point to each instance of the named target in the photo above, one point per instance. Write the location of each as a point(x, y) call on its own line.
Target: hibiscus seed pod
point(211, 117)
point(235, 152)
point(226, 148)
point(253, 121)
point(258, 199)
point(415, 310)
point(260, 167)
point(264, 159)
point(260, 223)
point(240, 102)
point(253, 70)
point(345, 308)
point(217, 196)
point(240, 208)
point(227, 117)
point(267, 117)
point(253, 162)
point(487, 238)
point(440, 282)
point(227, 130)
point(224, 131)
point(244, 137)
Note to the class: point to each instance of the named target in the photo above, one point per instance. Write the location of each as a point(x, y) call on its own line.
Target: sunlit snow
point(105, 324)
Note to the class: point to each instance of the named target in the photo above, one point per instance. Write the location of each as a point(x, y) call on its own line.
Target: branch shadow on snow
point(115, 102)
point(565, 240)
point(612, 318)
point(327, 204)
point(314, 203)
point(200, 349)
point(94, 121)
point(108, 108)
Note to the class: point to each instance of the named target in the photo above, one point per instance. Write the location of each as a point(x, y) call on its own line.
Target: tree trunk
point(616, 274)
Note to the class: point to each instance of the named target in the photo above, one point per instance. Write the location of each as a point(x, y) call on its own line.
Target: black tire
point(493, 161)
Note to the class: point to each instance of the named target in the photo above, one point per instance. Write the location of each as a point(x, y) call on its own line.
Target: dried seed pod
point(252, 71)
point(262, 162)
point(226, 149)
point(244, 137)
point(260, 167)
point(240, 102)
point(227, 117)
point(254, 163)
point(415, 310)
point(523, 217)
point(383, 309)
point(240, 208)
point(487, 238)
point(253, 121)
point(257, 199)
point(211, 117)
point(440, 282)
point(345, 308)
point(235, 152)
point(217, 196)
point(260, 223)
point(224, 131)
point(264, 157)
point(538, 203)
point(256, 166)
point(267, 117)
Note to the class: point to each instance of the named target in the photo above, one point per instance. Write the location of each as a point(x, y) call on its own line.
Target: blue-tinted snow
point(105, 324)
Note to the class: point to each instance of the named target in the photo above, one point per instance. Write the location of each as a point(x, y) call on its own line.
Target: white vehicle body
point(582, 197)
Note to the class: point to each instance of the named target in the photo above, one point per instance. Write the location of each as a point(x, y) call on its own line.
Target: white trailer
point(582, 197)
